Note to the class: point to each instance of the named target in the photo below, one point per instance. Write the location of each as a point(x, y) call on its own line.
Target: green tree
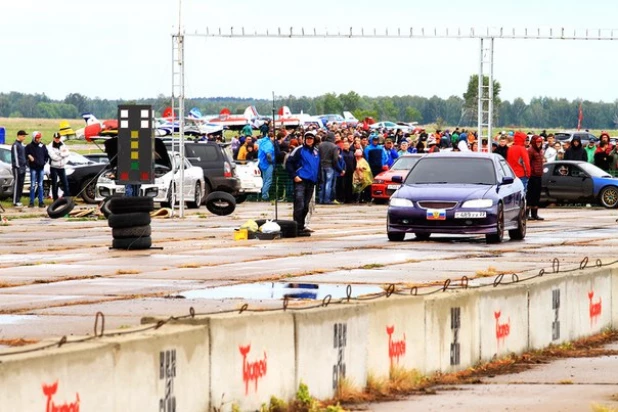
point(79, 101)
point(332, 104)
point(412, 114)
point(472, 92)
point(350, 101)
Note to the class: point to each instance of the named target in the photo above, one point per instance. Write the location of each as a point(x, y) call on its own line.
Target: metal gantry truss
point(486, 37)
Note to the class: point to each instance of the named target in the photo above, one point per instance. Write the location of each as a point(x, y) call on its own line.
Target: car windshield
point(404, 163)
point(448, 170)
point(593, 170)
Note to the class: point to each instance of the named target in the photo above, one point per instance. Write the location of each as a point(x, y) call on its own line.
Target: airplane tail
point(168, 114)
point(195, 114)
point(89, 118)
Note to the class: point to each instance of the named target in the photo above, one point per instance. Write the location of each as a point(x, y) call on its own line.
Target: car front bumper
point(416, 220)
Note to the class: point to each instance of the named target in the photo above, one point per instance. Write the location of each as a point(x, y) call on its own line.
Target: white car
point(166, 185)
point(250, 178)
point(6, 183)
point(391, 126)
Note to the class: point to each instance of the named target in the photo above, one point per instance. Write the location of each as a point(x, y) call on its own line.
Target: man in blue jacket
point(266, 162)
point(303, 166)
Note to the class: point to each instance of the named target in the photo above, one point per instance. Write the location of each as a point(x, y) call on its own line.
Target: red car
point(383, 187)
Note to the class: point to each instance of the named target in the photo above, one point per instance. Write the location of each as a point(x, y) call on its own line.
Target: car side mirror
point(507, 180)
point(397, 179)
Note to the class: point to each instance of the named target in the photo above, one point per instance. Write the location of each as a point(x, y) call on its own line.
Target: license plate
point(470, 215)
point(393, 187)
point(436, 214)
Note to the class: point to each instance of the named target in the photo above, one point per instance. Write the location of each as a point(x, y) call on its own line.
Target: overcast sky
point(122, 48)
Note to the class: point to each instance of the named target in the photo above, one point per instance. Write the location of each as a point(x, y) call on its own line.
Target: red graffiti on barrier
point(502, 329)
point(396, 348)
point(251, 371)
point(594, 308)
point(49, 391)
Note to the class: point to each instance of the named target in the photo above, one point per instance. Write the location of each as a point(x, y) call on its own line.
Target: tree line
point(540, 112)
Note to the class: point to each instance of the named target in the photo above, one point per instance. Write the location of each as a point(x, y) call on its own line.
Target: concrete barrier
point(331, 344)
point(452, 331)
point(503, 320)
point(396, 334)
point(591, 302)
point(548, 307)
point(163, 370)
point(74, 377)
point(614, 274)
point(251, 358)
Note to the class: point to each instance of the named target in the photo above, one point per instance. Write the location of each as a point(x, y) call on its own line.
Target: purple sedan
point(459, 193)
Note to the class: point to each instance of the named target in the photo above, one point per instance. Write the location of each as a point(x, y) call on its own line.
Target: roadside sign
point(135, 144)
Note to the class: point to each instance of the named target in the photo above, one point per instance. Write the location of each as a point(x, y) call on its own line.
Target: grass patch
point(17, 342)
point(190, 266)
point(372, 266)
point(602, 408)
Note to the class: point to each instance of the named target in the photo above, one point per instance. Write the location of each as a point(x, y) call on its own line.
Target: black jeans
point(303, 192)
point(18, 184)
point(56, 174)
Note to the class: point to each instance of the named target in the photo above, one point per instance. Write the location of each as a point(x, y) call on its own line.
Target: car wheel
point(609, 197)
point(522, 223)
point(498, 235)
point(88, 190)
point(240, 198)
point(171, 196)
point(60, 207)
point(220, 203)
point(197, 198)
point(422, 236)
point(396, 236)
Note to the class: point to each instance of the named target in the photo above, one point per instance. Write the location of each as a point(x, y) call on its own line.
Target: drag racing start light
point(135, 144)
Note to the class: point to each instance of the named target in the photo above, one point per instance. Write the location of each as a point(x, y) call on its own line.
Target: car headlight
point(400, 201)
point(378, 181)
point(477, 203)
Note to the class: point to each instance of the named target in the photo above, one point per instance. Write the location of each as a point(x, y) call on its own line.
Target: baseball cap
point(22, 133)
point(57, 135)
point(310, 133)
point(36, 134)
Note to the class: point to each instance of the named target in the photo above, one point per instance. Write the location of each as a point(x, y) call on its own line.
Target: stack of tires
point(129, 218)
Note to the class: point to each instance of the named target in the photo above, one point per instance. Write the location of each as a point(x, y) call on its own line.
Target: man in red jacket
point(517, 157)
point(533, 194)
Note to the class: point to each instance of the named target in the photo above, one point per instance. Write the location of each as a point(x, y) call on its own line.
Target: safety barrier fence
point(202, 360)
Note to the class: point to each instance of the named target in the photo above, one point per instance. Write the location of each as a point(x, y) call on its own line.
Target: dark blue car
point(459, 193)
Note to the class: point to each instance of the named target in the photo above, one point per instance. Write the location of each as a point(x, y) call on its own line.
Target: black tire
point(132, 243)
point(105, 207)
point(289, 228)
point(128, 220)
point(131, 204)
point(240, 198)
point(396, 236)
point(522, 224)
point(498, 235)
point(88, 189)
point(171, 198)
point(422, 236)
point(60, 207)
point(135, 231)
point(220, 203)
point(609, 197)
point(197, 199)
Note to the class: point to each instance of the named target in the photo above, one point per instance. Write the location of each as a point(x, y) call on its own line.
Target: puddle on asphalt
point(15, 319)
point(280, 290)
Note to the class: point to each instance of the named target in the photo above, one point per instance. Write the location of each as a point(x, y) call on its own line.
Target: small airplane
point(95, 127)
point(285, 118)
point(237, 122)
point(195, 124)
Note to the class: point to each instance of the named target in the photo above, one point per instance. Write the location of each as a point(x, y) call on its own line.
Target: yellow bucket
point(241, 234)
